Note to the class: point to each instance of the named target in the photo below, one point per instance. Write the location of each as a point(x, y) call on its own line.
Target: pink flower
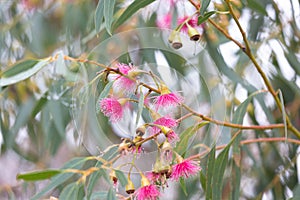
point(164, 22)
point(184, 169)
point(123, 83)
point(164, 121)
point(167, 100)
point(149, 192)
point(153, 177)
point(192, 22)
point(172, 137)
point(111, 108)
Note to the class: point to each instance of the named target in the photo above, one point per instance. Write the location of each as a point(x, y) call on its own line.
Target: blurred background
point(38, 116)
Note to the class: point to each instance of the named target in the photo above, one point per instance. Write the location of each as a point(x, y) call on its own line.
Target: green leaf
point(99, 195)
point(99, 15)
point(55, 108)
point(140, 107)
point(203, 180)
point(108, 14)
point(283, 113)
point(293, 61)
point(38, 175)
point(22, 71)
point(75, 163)
point(103, 94)
point(111, 194)
point(205, 17)
point(121, 177)
point(73, 191)
point(257, 6)
point(204, 5)
point(219, 169)
point(210, 172)
point(130, 10)
point(183, 186)
point(185, 136)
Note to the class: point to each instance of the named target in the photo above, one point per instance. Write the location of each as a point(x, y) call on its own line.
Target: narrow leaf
point(99, 15)
point(75, 163)
point(38, 175)
point(204, 5)
point(140, 107)
point(108, 14)
point(219, 169)
point(121, 177)
point(205, 17)
point(111, 194)
point(72, 191)
point(22, 71)
point(130, 10)
point(283, 113)
point(210, 172)
point(103, 94)
point(185, 136)
point(183, 186)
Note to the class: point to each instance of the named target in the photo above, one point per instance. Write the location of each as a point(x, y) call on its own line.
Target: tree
point(149, 99)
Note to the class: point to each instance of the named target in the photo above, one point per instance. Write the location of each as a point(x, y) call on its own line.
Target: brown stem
point(228, 124)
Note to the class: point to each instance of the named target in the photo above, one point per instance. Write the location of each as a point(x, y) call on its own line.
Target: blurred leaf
point(283, 113)
point(183, 186)
point(182, 145)
point(108, 14)
point(38, 175)
point(39, 106)
point(103, 94)
point(99, 15)
point(130, 10)
point(22, 71)
point(140, 107)
point(74, 191)
point(205, 17)
point(210, 172)
point(219, 169)
point(203, 180)
point(57, 113)
point(257, 6)
point(121, 177)
point(204, 5)
point(111, 194)
point(99, 195)
point(112, 152)
point(75, 163)
point(293, 61)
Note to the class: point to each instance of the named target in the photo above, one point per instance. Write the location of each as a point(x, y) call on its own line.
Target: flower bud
point(176, 43)
point(172, 36)
point(129, 188)
point(193, 33)
point(140, 131)
point(144, 181)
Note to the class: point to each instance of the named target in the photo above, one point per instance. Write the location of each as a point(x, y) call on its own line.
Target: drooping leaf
point(38, 175)
point(182, 145)
point(210, 172)
point(257, 6)
point(75, 163)
point(111, 194)
point(140, 107)
point(205, 17)
point(183, 186)
point(121, 177)
point(219, 170)
point(108, 14)
point(99, 15)
point(204, 5)
point(22, 71)
point(130, 10)
point(74, 190)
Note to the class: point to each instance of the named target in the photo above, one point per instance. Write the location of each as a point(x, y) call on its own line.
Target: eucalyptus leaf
point(22, 71)
point(38, 175)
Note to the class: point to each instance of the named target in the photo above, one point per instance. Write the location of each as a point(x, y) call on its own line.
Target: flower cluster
point(126, 91)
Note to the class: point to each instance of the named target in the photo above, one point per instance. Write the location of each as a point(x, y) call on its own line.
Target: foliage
point(104, 99)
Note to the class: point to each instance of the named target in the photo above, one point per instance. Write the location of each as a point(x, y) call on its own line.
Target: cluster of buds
point(187, 25)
